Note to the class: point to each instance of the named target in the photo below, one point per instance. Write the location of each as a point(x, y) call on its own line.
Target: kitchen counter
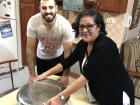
point(78, 98)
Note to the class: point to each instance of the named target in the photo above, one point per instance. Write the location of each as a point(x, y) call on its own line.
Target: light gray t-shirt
point(51, 35)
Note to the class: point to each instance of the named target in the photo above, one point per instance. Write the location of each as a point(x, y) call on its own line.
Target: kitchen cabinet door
point(28, 1)
point(27, 9)
point(115, 6)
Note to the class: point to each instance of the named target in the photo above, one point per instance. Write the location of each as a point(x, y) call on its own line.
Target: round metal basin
point(38, 92)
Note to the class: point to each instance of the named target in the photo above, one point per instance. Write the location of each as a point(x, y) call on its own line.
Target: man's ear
point(56, 7)
point(39, 8)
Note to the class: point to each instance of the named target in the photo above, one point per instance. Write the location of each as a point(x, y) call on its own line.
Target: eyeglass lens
point(88, 27)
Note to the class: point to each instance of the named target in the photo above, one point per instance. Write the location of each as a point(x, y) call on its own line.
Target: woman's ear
point(99, 25)
point(99, 28)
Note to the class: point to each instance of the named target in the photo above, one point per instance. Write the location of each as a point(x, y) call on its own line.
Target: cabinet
point(114, 6)
point(27, 9)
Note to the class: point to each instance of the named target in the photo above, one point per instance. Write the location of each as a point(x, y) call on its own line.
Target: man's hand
point(41, 77)
point(64, 79)
point(32, 77)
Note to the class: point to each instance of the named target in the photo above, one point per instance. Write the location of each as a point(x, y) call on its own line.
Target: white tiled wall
point(114, 29)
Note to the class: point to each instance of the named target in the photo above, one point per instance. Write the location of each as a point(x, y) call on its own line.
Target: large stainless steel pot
point(38, 92)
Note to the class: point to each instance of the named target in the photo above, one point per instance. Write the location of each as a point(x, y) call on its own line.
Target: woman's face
point(88, 29)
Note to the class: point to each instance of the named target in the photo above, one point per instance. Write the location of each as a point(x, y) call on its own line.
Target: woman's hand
point(40, 77)
point(54, 101)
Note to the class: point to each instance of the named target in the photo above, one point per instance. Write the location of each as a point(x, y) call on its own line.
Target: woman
point(100, 62)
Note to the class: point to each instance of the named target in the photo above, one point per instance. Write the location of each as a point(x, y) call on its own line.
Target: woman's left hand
point(54, 101)
point(40, 77)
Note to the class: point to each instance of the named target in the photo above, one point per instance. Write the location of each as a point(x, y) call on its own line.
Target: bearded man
point(53, 35)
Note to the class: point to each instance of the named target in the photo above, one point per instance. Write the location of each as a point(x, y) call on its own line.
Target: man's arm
point(67, 51)
point(30, 56)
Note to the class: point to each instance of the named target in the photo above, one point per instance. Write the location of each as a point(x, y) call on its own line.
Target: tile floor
point(20, 78)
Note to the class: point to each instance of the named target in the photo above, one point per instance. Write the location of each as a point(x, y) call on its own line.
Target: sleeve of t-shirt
point(68, 32)
point(31, 28)
point(98, 62)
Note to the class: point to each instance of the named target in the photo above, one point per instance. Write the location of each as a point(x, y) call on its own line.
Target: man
point(53, 35)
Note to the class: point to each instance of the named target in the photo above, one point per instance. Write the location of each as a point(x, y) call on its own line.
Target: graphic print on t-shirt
point(50, 44)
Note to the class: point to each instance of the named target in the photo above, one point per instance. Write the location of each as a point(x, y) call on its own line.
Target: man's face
point(48, 9)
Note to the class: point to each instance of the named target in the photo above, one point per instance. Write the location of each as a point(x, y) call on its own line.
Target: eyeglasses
point(88, 27)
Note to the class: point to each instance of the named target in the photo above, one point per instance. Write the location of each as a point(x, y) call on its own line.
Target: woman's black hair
point(98, 19)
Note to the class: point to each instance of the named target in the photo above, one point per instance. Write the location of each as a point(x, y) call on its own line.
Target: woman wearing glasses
point(100, 64)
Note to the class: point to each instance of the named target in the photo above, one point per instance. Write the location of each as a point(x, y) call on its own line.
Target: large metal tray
point(35, 93)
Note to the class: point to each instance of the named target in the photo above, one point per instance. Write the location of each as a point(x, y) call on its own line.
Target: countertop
point(77, 98)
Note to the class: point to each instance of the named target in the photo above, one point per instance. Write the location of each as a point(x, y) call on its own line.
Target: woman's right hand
point(54, 101)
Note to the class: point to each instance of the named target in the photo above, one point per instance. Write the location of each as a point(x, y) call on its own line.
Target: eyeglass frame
point(89, 27)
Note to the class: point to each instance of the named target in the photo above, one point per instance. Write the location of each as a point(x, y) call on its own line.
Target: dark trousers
point(44, 65)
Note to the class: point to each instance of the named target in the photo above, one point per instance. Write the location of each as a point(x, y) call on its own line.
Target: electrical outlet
point(110, 20)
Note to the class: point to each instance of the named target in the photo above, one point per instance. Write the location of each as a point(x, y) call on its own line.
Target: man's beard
point(48, 19)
